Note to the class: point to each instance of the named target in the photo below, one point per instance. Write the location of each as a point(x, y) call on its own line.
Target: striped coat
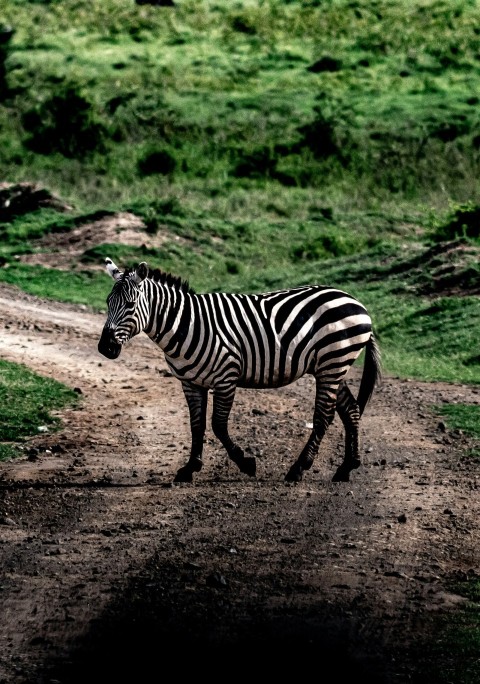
point(222, 341)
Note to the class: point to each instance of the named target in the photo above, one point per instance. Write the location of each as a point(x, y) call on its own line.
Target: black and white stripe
point(221, 341)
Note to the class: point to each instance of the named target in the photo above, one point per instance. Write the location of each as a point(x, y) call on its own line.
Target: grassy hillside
point(268, 143)
point(246, 107)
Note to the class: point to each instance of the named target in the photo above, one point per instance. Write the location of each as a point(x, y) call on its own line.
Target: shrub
point(463, 221)
point(6, 34)
point(325, 63)
point(154, 213)
point(64, 123)
point(324, 246)
point(259, 163)
point(159, 161)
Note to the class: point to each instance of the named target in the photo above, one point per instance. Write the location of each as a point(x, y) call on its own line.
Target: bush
point(260, 163)
point(464, 221)
point(319, 136)
point(64, 123)
point(159, 161)
point(324, 246)
point(6, 34)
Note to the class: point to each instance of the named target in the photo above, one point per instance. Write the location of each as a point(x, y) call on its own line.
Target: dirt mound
point(63, 250)
point(444, 269)
point(64, 247)
point(17, 199)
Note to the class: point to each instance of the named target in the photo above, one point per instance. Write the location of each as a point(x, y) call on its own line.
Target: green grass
point(82, 287)
point(453, 652)
point(462, 417)
point(358, 100)
point(28, 403)
point(466, 418)
point(431, 341)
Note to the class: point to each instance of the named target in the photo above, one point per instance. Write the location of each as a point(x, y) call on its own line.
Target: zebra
point(216, 342)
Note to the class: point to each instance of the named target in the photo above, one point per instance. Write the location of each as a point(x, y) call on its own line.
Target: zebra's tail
point(372, 373)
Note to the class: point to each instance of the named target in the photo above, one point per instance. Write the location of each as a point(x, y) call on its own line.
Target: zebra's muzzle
point(108, 346)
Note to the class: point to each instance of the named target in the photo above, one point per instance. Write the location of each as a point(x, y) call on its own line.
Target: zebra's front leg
point(197, 398)
point(222, 404)
point(349, 412)
point(325, 398)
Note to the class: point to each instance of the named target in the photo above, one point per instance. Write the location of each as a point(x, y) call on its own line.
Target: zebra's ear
point(141, 272)
point(112, 269)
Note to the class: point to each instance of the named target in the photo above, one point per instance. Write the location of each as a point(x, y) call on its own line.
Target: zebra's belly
point(270, 382)
point(250, 380)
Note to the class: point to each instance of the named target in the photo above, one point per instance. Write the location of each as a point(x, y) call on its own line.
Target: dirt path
point(109, 571)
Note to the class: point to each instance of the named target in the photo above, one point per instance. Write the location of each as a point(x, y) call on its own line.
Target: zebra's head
point(128, 309)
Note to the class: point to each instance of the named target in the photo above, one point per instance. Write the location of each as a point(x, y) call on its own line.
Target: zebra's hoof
point(184, 475)
point(248, 465)
point(293, 475)
point(342, 475)
point(343, 471)
point(196, 465)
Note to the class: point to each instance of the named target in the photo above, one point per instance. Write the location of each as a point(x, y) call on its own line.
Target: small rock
point(5, 520)
point(32, 454)
point(216, 580)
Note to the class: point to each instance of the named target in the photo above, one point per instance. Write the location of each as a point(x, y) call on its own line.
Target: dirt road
point(110, 572)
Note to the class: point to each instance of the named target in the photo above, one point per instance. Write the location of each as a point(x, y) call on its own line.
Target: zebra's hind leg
point(222, 404)
point(325, 398)
point(349, 412)
point(197, 398)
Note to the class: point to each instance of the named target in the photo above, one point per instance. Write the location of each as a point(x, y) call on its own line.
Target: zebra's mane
point(166, 279)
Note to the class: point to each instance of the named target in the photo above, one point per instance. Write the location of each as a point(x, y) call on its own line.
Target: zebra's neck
point(169, 318)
